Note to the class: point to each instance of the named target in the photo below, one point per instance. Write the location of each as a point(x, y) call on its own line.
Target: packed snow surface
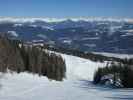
point(77, 85)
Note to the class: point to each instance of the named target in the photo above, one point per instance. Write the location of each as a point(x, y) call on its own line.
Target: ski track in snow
point(77, 85)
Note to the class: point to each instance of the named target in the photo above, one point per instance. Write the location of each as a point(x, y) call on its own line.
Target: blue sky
point(66, 8)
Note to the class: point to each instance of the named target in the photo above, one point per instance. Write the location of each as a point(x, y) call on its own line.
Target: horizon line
point(67, 17)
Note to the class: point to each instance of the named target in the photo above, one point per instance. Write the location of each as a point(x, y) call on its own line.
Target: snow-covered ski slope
point(77, 86)
point(79, 68)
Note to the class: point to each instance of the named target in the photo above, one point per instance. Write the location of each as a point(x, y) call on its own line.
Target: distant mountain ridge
point(114, 35)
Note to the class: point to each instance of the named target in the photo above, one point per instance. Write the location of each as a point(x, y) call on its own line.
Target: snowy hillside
point(77, 86)
point(79, 68)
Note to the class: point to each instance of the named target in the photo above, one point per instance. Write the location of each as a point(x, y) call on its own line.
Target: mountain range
point(86, 34)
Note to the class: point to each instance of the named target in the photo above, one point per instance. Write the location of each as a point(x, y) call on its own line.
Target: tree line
point(86, 55)
point(120, 70)
point(16, 56)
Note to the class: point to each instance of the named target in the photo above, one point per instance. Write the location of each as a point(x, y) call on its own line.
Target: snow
point(90, 38)
point(13, 33)
point(127, 34)
point(77, 86)
point(90, 45)
point(67, 41)
point(49, 28)
point(17, 25)
point(115, 55)
point(109, 76)
point(33, 26)
point(80, 68)
point(130, 30)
